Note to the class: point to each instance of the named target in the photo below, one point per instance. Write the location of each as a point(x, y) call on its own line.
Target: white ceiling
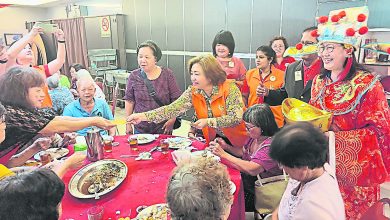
point(54, 3)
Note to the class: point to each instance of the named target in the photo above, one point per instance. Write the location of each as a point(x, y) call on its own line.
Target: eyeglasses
point(307, 43)
point(249, 127)
point(328, 48)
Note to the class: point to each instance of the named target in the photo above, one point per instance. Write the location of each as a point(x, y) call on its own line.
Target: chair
point(109, 84)
point(120, 87)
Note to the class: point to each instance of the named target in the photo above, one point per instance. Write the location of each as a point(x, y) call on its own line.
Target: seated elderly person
point(200, 190)
point(21, 94)
point(87, 105)
point(252, 159)
point(31, 195)
point(312, 191)
point(81, 74)
point(60, 96)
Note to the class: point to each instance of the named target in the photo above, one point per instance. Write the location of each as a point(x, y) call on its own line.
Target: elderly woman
point(223, 50)
point(73, 74)
point(312, 192)
point(361, 115)
point(21, 54)
point(194, 194)
point(261, 126)
point(141, 81)
point(261, 79)
point(60, 96)
point(36, 194)
point(279, 45)
point(21, 93)
point(217, 102)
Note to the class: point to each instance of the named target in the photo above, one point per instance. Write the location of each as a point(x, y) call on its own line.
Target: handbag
point(152, 94)
point(376, 212)
point(269, 191)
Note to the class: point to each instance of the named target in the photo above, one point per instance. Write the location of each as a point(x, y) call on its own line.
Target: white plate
point(55, 153)
point(80, 180)
point(178, 142)
point(157, 212)
point(199, 154)
point(144, 138)
point(232, 187)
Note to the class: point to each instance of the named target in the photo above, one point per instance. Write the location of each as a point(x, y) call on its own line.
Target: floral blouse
point(184, 103)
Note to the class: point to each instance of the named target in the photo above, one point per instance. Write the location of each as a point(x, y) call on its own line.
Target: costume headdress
point(345, 26)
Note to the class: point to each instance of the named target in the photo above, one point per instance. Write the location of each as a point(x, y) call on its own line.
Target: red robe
point(361, 122)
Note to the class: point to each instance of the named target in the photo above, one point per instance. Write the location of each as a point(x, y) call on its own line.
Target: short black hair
point(300, 145)
point(225, 38)
point(31, 195)
point(77, 66)
point(310, 29)
point(152, 45)
point(261, 116)
point(269, 52)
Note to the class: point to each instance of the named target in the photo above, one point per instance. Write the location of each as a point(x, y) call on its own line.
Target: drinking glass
point(95, 213)
point(133, 141)
point(164, 146)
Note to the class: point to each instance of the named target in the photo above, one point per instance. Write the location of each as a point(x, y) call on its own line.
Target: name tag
point(231, 64)
point(298, 75)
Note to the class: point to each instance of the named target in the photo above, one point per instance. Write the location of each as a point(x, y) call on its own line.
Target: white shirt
point(319, 199)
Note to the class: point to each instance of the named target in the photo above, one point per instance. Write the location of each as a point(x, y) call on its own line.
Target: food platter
point(178, 142)
point(155, 212)
point(144, 138)
point(201, 153)
point(55, 153)
point(102, 176)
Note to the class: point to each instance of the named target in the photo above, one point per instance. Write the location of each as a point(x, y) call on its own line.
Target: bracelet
point(61, 41)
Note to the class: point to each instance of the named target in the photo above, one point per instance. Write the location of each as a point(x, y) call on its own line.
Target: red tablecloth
point(145, 184)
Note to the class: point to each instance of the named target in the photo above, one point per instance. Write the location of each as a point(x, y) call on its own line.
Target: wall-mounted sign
point(105, 26)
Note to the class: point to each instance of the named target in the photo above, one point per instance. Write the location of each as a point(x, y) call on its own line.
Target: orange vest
point(47, 100)
point(274, 80)
point(237, 135)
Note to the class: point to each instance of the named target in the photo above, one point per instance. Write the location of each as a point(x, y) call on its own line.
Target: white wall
point(56, 12)
point(13, 19)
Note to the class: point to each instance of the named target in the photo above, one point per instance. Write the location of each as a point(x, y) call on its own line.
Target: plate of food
point(55, 153)
point(233, 187)
point(204, 153)
point(32, 163)
point(101, 177)
point(178, 142)
point(144, 138)
point(155, 212)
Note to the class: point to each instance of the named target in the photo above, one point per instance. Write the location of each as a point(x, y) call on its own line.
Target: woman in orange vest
point(261, 79)
point(217, 102)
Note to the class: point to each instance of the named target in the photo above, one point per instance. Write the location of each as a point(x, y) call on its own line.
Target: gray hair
point(199, 190)
point(53, 81)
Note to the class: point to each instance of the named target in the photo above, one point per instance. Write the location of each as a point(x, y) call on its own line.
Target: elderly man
point(299, 75)
point(88, 106)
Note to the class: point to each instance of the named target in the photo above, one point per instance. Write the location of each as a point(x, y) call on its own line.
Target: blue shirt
point(60, 98)
point(100, 108)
